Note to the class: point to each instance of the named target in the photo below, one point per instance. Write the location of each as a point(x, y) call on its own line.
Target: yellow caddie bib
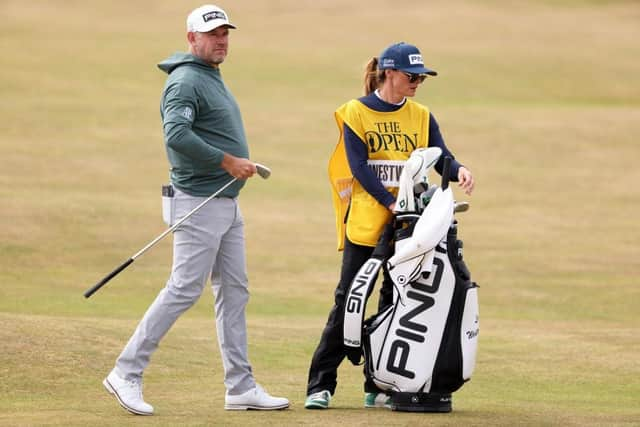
point(390, 138)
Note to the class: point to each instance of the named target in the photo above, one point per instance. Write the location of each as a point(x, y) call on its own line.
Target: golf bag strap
point(359, 292)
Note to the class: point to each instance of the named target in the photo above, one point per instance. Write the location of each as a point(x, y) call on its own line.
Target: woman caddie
point(378, 133)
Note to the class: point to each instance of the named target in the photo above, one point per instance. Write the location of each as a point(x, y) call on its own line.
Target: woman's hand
point(465, 180)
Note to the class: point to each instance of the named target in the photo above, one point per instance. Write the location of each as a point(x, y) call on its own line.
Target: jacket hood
point(178, 59)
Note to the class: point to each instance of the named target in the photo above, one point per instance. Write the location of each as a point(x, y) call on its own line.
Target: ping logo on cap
point(415, 59)
point(216, 14)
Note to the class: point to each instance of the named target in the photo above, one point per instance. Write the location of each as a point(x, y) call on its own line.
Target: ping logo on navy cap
point(416, 58)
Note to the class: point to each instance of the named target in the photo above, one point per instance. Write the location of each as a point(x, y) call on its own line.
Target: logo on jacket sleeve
point(187, 113)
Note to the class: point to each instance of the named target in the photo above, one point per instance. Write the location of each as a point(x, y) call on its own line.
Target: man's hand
point(238, 167)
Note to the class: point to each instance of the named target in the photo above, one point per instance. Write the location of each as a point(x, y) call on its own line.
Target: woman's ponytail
point(372, 76)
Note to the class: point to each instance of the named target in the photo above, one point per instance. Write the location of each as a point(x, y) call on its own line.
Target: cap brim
point(210, 26)
point(420, 70)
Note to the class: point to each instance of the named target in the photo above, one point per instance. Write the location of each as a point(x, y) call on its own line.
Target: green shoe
point(377, 400)
point(319, 400)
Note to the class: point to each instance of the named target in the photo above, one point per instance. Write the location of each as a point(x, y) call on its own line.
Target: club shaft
point(445, 173)
point(182, 220)
point(124, 265)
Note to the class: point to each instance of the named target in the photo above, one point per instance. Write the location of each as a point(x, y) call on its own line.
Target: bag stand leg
point(421, 402)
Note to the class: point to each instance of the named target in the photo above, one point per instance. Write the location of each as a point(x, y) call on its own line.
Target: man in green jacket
point(206, 147)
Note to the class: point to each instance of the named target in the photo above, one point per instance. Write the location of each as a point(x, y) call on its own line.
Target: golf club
point(262, 170)
point(460, 207)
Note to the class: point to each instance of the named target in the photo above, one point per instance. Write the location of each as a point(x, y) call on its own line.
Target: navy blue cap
point(403, 57)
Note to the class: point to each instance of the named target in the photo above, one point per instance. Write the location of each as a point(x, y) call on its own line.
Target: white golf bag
point(422, 347)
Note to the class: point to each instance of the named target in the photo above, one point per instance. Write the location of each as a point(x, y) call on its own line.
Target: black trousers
point(330, 352)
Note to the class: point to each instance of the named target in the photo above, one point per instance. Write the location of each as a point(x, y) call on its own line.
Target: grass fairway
point(541, 99)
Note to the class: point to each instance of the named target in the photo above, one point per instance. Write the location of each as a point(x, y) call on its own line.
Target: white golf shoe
point(128, 393)
point(256, 398)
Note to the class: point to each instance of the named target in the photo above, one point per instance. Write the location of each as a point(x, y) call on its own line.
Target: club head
point(461, 207)
point(263, 171)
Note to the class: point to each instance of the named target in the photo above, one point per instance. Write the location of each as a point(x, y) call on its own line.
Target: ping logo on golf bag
point(360, 284)
point(357, 301)
point(413, 330)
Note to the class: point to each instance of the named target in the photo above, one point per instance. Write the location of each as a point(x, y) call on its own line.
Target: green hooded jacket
point(201, 121)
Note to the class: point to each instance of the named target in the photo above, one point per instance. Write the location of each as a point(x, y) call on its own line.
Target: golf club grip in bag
point(446, 168)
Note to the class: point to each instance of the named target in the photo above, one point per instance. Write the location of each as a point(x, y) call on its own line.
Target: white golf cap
point(207, 18)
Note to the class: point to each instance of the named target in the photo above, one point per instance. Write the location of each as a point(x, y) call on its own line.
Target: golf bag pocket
point(469, 331)
point(168, 204)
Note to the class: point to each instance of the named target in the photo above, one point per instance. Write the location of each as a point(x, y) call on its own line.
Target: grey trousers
point(209, 243)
